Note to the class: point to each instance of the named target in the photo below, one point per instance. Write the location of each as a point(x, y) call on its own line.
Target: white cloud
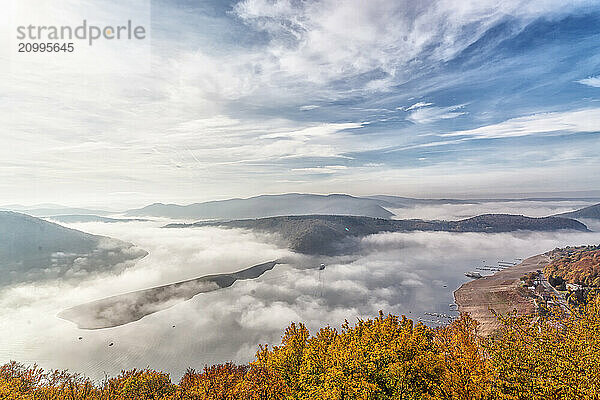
point(593, 81)
point(206, 114)
point(419, 104)
point(373, 165)
point(308, 107)
point(427, 115)
point(325, 40)
point(327, 169)
point(586, 120)
point(462, 211)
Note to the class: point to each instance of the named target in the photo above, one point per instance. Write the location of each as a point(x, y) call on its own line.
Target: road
point(559, 297)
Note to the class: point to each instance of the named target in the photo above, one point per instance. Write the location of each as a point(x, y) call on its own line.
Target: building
point(573, 287)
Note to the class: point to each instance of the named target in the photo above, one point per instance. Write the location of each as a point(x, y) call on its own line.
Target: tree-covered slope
point(333, 234)
point(32, 248)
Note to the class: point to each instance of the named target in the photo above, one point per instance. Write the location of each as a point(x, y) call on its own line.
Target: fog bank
point(402, 273)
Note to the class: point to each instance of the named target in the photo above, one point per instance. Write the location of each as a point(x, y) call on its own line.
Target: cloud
point(419, 104)
point(569, 122)
point(375, 41)
point(402, 273)
point(326, 169)
point(593, 81)
point(462, 211)
point(422, 115)
point(370, 165)
point(308, 107)
point(227, 103)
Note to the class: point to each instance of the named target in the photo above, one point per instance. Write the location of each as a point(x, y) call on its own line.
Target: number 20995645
point(46, 47)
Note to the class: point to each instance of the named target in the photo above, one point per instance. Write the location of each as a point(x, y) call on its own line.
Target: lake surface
point(401, 273)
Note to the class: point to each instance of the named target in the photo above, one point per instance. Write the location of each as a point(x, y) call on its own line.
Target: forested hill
point(32, 248)
point(580, 265)
point(591, 212)
point(334, 234)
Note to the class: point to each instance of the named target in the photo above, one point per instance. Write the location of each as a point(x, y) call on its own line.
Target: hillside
point(128, 307)
point(580, 265)
point(335, 234)
point(509, 223)
point(591, 212)
point(267, 206)
point(32, 248)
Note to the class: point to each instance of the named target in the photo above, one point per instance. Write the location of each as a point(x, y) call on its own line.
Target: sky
point(233, 99)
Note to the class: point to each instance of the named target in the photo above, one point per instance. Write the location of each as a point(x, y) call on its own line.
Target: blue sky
point(428, 98)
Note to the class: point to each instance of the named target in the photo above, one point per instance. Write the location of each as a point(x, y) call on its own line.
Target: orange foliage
point(581, 266)
point(387, 357)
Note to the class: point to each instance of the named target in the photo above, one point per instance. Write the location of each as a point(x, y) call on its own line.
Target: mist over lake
point(410, 273)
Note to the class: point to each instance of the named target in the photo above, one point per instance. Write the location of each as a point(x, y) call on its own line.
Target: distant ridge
point(268, 206)
point(334, 234)
point(375, 206)
point(44, 210)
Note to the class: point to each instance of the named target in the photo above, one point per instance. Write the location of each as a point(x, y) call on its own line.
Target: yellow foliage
point(466, 369)
point(22, 383)
point(142, 385)
point(387, 357)
point(382, 358)
point(549, 359)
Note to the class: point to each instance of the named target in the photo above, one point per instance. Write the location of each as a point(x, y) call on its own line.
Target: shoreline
point(499, 292)
point(129, 307)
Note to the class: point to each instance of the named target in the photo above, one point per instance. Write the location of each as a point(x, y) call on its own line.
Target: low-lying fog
point(401, 273)
point(461, 211)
